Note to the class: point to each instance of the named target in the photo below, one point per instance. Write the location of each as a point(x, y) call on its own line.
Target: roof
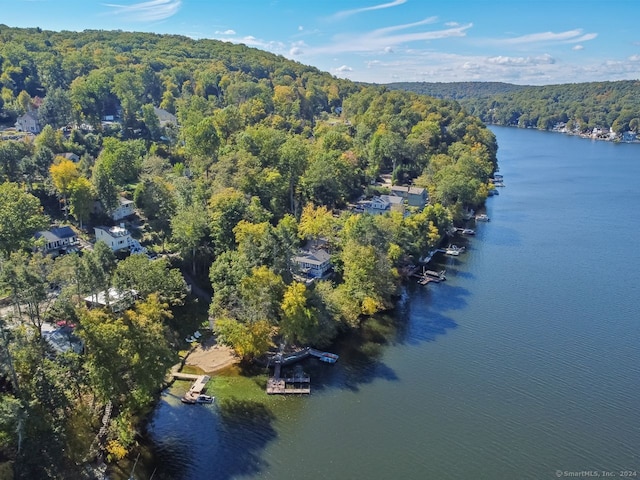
point(124, 201)
point(33, 115)
point(63, 339)
point(115, 296)
point(113, 231)
point(56, 234)
point(164, 116)
point(409, 190)
point(392, 199)
point(316, 257)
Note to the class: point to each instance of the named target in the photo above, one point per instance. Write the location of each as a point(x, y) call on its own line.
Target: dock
point(197, 387)
point(298, 383)
point(429, 276)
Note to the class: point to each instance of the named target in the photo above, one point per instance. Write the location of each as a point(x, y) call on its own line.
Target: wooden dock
point(298, 383)
point(430, 276)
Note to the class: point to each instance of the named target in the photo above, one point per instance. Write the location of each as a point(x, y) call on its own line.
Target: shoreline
point(210, 357)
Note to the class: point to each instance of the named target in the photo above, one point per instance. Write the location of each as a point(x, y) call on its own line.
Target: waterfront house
point(381, 204)
point(313, 264)
point(57, 239)
point(117, 238)
point(415, 196)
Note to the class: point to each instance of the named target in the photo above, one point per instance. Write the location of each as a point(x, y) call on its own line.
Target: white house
point(124, 209)
point(117, 238)
point(28, 122)
point(57, 238)
point(313, 264)
point(384, 203)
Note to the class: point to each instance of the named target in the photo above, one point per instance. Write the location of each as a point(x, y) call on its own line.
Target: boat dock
point(197, 387)
point(297, 383)
point(428, 276)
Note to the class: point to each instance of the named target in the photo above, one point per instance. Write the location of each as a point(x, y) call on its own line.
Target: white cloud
point(344, 68)
point(388, 50)
point(577, 47)
point(570, 36)
point(300, 28)
point(150, 11)
point(226, 32)
point(355, 11)
point(384, 38)
point(295, 51)
point(522, 61)
point(634, 58)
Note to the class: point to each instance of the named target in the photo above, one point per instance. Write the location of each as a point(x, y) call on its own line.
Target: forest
point(235, 159)
point(580, 106)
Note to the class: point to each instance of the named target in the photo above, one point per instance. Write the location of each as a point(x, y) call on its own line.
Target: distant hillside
point(456, 90)
point(581, 106)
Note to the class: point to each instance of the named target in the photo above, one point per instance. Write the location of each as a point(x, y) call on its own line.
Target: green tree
point(20, 217)
point(202, 143)
point(145, 276)
point(81, 198)
point(298, 321)
point(190, 229)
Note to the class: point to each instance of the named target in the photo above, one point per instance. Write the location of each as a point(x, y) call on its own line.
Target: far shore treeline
point(235, 159)
point(595, 109)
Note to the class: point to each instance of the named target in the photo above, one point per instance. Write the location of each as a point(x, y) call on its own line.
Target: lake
point(524, 364)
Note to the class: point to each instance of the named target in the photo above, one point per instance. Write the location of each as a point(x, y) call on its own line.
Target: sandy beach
point(211, 357)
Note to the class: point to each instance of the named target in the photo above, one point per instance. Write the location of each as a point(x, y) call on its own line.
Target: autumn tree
point(63, 174)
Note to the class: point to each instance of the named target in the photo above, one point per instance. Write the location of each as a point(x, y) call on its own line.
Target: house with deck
point(58, 240)
point(414, 196)
point(312, 264)
point(117, 238)
point(125, 209)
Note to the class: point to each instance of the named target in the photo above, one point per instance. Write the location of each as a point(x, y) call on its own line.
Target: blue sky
point(517, 41)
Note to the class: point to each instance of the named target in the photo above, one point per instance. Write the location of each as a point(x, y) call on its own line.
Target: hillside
point(245, 173)
point(578, 107)
point(456, 90)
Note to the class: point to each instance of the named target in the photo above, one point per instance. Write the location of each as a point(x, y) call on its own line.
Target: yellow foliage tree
point(63, 173)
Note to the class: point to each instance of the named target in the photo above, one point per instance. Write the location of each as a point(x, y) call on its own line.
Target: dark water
point(525, 362)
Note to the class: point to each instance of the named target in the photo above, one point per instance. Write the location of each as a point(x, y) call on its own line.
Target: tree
point(145, 276)
point(121, 160)
point(105, 188)
point(189, 229)
point(128, 356)
point(151, 121)
point(55, 109)
point(63, 174)
point(315, 222)
point(81, 199)
point(20, 217)
point(298, 320)
point(202, 142)
point(261, 295)
point(27, 277)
